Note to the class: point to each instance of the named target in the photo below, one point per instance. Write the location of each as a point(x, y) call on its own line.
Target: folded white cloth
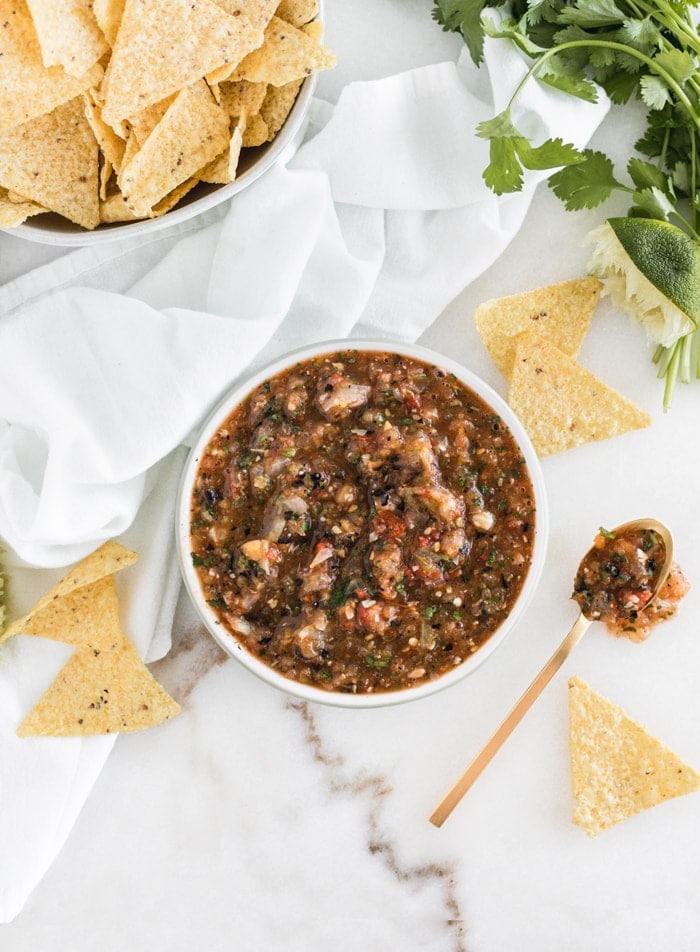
point(113, 354)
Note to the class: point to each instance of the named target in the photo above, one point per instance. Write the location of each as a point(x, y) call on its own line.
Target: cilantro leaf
point(504, 172)
point(463, 16)
point(550, 155)
point(558, 73)
point(652, 203)
point(654, 92)
point(586, 184)
point(646, 175)
point(678, 64)
point(618, 85)
point(643, 35)
point(592, 13)
point(499, 127)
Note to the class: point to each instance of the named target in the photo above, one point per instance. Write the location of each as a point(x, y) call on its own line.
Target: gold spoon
point(545, 676)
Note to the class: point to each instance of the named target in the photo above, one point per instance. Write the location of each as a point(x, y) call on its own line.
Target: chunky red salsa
point(362, 522)
point(617, 580)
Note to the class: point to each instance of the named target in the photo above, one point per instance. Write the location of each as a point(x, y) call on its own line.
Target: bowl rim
point(280, 149)
point(228, 641)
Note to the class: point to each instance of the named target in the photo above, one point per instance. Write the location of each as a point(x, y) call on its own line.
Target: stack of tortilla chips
point(534, 339)
point(104, 687)
point(113, 110)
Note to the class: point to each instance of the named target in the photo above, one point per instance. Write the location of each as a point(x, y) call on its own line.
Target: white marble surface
point(252, 822)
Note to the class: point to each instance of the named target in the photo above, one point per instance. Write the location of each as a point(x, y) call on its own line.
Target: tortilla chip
point(113, 209)
point(255, 132)
point(560, 312)
point(314, 29)
point(180, 40)
point(77, 618)
point(562, 404)
point(143, 123)
point(53, 161)
point(277, 105)
point(108, 559)
point(104, 687)
point(173, 198)
point(109, 142)
point(222, 171)
point(108, 14)
point(242, 98)
point(69, 35)
point(297, 12)
point(28, 88)
point(131, 147)
point(13, 213)
point(618, 769)
point(285, 55)
point(193, 131)
point(219, 75)
point(257, 12)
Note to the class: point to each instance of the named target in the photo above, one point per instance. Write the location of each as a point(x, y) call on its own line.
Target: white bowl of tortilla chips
point(120, 116)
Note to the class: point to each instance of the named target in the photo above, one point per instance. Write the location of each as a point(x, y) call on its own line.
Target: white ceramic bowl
point(52, 229)
point(234, 647)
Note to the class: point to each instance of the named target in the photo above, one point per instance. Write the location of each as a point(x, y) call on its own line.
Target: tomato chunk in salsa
point(615, 583)
point(362, 522)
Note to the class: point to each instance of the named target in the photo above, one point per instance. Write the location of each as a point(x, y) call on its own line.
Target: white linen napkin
point(112, 355)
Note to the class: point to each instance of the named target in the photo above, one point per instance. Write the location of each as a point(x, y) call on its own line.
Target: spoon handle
point(512, 720)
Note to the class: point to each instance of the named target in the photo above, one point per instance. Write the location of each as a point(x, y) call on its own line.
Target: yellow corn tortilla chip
point(113, 209)
point(560, 312)
point(222, 170)
point(131, 147)
point(13, 212)
point(297, 12)
point(239, 98)
point(28, 88)
point(143, 123)
point(617, 768)
point(76, 618)
point(69, 35)
point(277, 105)
point(172, 198)
point(109, 558)
point(285, 55)
point(314, 29)
point(105, 686)
point(107, 692)
point(255, 132)
point(108, 14)
point(165, 45)
point(193, 131)
point(109, 142)
point(256, 12)
point(562, 404)
point(53, 161)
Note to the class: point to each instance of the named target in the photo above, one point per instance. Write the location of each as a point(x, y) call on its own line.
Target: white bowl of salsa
point(362, 523)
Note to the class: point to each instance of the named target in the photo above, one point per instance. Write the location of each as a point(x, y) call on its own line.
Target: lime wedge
point(651, 269)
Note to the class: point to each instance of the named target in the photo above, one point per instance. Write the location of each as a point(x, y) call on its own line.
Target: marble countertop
point(257, 822)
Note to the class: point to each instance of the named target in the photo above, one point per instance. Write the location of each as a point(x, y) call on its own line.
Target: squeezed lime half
point(651, 269)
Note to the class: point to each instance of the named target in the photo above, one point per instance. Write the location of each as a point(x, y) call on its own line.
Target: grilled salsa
point(362, 522)
point(616, 581)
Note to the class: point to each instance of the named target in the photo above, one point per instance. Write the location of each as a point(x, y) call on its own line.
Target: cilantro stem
point(620, 48)
point(671, 374)
point(685, 348)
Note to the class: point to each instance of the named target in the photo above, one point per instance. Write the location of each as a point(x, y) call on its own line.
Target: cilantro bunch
point(643, 49)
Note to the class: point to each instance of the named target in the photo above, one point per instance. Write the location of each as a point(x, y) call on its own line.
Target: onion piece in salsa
point(615, 583)
point(362, 522)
